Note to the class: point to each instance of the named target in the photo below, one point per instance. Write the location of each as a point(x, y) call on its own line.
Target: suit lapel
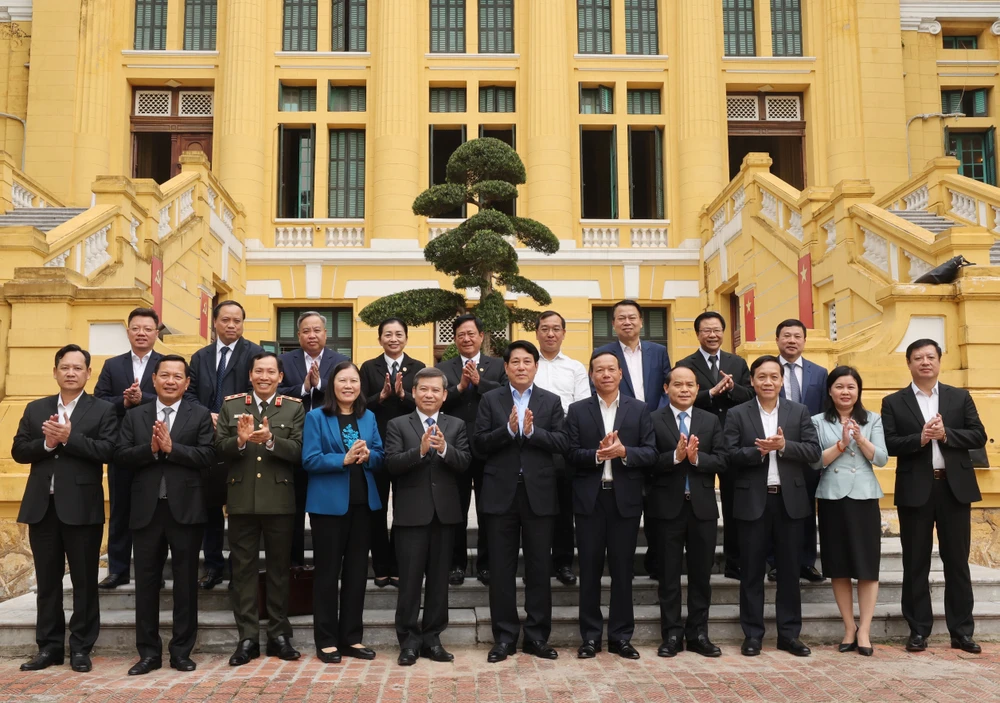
point(626, 376)
point(146, 382)
point(910, 400)
point(620, 413)
point(701, 367)
point(755, 420)
point(694, 421)
point(325, 365)
point(82, 405)
point(234, 358)
point(945, 397)
point(594, 405)
point(418, 426)
point(181, 420)
point(783, 411)
point(670, 422)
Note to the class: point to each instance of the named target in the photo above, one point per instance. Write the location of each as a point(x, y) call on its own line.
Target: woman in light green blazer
point(850, 522)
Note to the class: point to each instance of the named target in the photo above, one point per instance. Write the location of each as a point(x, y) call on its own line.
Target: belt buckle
point(939, 474)
point(774, 490)
point(687, 496)
point(607, 485)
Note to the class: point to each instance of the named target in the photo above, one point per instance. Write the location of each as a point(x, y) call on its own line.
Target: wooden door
point(185, 141)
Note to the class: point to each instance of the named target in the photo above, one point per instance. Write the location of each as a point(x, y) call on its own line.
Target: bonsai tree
point(478, 253)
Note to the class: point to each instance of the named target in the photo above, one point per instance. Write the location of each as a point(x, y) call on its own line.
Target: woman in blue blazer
point(341, 448)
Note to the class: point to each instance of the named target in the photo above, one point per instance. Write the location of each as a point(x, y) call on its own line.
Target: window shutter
point(602, 323)
point(358, 17)
point(606, 97)
point(593, 19)
point(448, 26)
point(990, 157)
point(979, 103)
point(339, 25)
point(151, 25)
point(643, 102)
point(286, 324)
point(496, 26)
point(447, 100)
point(299, 25)
point(641, 27)
point(200, 19)
point(786, 27)
point(738, 27)
point(656, 323)
point(347, 173)
point(659, 173)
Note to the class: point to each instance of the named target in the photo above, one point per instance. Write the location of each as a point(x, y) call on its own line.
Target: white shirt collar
point(765, 412)
point(717, 355)
point(69, 407)
point(519, 394)
point(257, 399)
point(389, 361)
point(474, 359)
point(136, 357)
point(219, 346)
point(677, 411)
point(160, 406)
point(423, 418)
point(613, 404)
point(917, 391)
point(796, 363)
point(318, 357)
point(627, 350)
point(559, 356)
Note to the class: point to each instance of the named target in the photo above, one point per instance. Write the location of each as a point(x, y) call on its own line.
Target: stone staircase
point(41, 218)
point(470, 616)
point(928, 220)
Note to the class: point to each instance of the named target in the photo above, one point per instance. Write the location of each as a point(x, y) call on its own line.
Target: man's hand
point(512, 420)
point(215, 420)
point(244, 428)
point(437, 442)
point(774, 443)
point(692, 449)
point(162, 433)
point(724, 385)
point(386, 389)
point(933, 429)
point(680, 453)
point(612, 448)
point(473, 373)
point(425, 442)
point(132, 395)
point(529, 423)
point(263, 435)
point(312, 378)
point(56, 433)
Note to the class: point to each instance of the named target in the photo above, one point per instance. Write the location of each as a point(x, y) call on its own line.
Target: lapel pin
point(404, 369)
point(249, 399)
point(481, 369)
point(277, 403)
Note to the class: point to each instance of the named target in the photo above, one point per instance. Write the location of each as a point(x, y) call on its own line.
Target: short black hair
point(520, 344)
point(790, 322)
point(625, 303)
point(710, 315)
point(551, 313)
point(462, 319)
point(172, 357)
point(263, 355)
point(330, 406)
point(73, 348)
point(597, 354)
point(670, 374)
point(144, 312)
point(225, 303)
point(761, 360)
point(859, 414)
point(920, 344)
point(388, 320)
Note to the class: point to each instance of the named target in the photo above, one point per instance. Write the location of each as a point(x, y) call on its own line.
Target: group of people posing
point(559, 456)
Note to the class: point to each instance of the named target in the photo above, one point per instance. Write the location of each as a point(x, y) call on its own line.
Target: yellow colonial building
point(765, 158)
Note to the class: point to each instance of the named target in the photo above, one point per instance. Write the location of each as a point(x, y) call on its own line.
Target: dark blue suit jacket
point(294, 366)
point(655, 367)
point(116, 376)
point(813, 387)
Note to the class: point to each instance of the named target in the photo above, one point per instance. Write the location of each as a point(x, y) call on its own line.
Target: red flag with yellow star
point(805, 281)
point(749, 317)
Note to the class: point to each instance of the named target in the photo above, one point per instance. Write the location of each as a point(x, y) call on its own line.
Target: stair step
point(43, 219)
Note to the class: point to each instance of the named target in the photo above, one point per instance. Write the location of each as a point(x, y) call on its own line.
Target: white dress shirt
point(474, 360)
point(170, 424)
point(219, 346)
point(929, 408)
point(565, 377)
point(310, 362)
point(389, 361)
point(770, 422)
point(608, 413)
point(677, 412)
point(423, 421)
point(139, 365)
point(633, 361)
point(63, 411)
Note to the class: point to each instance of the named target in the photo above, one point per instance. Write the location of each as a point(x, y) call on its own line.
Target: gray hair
point(431, 372)
point(309, 313)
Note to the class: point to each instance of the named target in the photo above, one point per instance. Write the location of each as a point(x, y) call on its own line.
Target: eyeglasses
point(547, 330)
point(710, 332)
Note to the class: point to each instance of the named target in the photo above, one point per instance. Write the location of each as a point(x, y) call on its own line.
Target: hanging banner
point(749, 317)
point(805, 281)
point(206, 304)
point(156, 285)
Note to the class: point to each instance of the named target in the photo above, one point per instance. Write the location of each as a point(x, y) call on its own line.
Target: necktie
point(167, 412)
point(395, 370)
point(714, 367)
point(429, 421)
point(682, 425)
point(794, 393)
point(220, 373)
point(263, 408)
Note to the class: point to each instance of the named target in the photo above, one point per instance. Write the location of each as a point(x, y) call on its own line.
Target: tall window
point(645, 173)
point(448, 26)
point(641, 27)
point(496, 99)
point(339, 328)
point(296, 149)
point(654, 326)
point(200, 19)
point(738, 28)
point(977, 153)
point(347, 173)
point(443, 142)
point(786, 27)
point(599, 174)
point(299, 26)
point(350, 25)
point(150, 25)
point(593, 24)
point(643, 102)
point(973, 103)
point(295, 98)
point(496, 26)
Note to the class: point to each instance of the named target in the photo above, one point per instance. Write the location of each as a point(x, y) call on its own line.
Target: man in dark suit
point(930, 427)
point(771, 445)
point(218, 370)
point(645, 366)
point(518, 428)
point(611, 443)
point(126, 381)
point(387, 384)
point(803, 382)
point(682, 500)
point(723, 382)
point(470, 375)
point(168, 446)
point(307, 370)
point(425, 451)
point(67, 438)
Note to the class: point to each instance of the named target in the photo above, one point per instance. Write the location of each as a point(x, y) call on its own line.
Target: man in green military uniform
point(259, 439)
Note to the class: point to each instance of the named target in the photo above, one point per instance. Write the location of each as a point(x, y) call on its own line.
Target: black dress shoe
point(407, 657)
point(182, 664)
point(230, 586)
point(846, 647)
point(588, 650)
point(772, 574)
point(811, 574)
point(750, 647)
point(916, 643)
point(703, 646)
point(484, 576)
point(866, 651)
point(437, 653)
point(670, 647)
point(210, 580)
point(794, 647)
point(394, 581)
point(381, 582)
point(145, 665)
point(500, 651)
point(624, 649)
point(113, 581)
point(282, 648)
point(361, 652)
point(966, 644)
point(328, 657)
point(566, 575)
point(732, 573)
point(245, 651)
point(540, 649)
point(80, 661)
point(456, 577)
point(654, 575)
point(43, 660)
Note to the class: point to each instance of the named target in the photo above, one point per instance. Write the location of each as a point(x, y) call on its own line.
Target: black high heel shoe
point(865, 651)
point(844, 647)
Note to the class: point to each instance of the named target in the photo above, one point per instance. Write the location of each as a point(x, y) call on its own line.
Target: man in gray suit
point(425, 452)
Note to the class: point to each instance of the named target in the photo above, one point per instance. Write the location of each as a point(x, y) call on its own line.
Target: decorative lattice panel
point(783, 108)
point(742, 107)
point(196, 104)
point(152, 103)
point(443, 332)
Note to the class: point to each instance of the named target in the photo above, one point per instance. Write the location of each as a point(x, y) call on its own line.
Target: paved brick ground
point(940, 674)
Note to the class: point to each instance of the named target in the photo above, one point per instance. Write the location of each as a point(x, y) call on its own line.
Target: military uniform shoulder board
point(287, 397)
point(237, 395)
